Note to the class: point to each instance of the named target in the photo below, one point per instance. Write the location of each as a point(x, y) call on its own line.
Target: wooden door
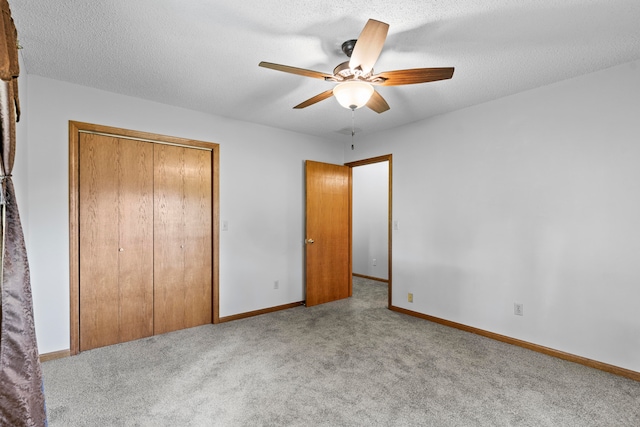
point(116, 246)
point(328, 232)
point(197, 234)
point(183, 244)
point(135, 253)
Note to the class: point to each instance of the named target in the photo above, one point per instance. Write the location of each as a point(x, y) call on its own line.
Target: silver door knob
point(121, 250)
point(308, 241)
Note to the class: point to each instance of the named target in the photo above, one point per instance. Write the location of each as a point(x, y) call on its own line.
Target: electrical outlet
point(276, 284)
point(518, 309)
point(410, 297)
point(374, 262)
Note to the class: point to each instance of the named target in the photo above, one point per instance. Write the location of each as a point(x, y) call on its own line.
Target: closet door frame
point(75, 129)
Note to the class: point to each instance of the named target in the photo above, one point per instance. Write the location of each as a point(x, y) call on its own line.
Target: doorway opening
point(372, 219)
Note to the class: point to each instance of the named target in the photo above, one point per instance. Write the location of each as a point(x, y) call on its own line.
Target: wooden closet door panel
point(136, 239)
point(98, 200)
point(198, 257)
point(169, 292)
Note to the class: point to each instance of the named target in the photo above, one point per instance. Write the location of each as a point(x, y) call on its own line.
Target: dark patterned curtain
point(21, 393)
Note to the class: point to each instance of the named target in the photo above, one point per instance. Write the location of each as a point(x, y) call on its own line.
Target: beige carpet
point(347, 363)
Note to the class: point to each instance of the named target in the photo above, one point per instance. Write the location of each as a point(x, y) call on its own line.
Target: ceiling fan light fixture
point(353, 94)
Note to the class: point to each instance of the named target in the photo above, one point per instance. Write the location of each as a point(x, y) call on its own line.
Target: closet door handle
point(121, 250)
point(309, 241)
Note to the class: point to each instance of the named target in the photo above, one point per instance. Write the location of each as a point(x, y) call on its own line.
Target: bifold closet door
point(116, 240)
point(183, 241)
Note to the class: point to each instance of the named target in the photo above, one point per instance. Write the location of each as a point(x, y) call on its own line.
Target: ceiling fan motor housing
point(344, 72)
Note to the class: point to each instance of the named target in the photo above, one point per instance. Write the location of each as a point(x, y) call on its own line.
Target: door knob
point(309, 241)
point(121, 250)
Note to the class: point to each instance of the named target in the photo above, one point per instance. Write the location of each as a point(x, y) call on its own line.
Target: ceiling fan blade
point(294, 70)
point(320, 97)
point(412, 76)
point(377, 103)
point(369, 45)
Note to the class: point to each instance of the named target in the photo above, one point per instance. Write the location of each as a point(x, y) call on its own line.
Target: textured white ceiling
point(204, 55)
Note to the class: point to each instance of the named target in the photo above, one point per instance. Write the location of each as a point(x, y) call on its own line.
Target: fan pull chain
point(353, 126)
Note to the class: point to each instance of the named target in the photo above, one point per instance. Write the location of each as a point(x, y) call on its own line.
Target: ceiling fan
point(356, 77)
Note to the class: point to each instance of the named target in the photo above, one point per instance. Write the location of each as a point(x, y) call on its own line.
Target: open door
point(328, 232)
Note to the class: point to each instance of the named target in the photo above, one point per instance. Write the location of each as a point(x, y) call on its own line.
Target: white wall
point(370, 219)
point(533, 198)
point(261, 196)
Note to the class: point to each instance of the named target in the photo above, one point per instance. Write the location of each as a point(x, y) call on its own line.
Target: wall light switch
point(225, 225)
point(396, 225)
